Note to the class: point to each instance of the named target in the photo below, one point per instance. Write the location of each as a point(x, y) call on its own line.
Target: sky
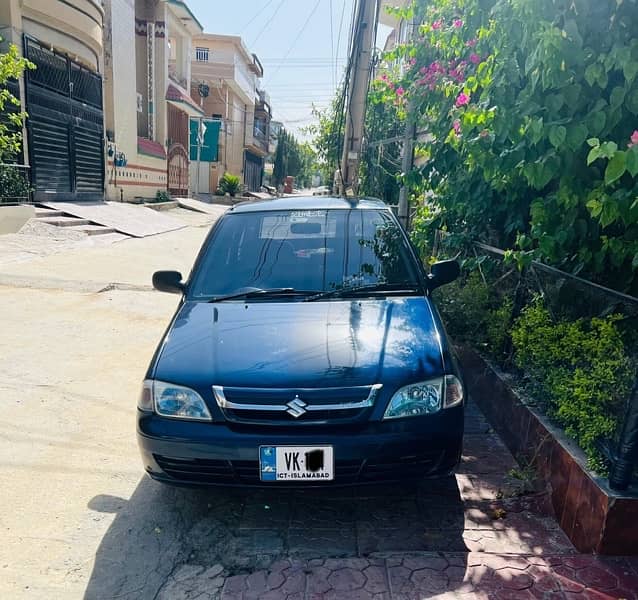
point(302, 45)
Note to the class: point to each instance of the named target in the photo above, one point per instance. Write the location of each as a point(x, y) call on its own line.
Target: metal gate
point(65, 126)
point(177, 170)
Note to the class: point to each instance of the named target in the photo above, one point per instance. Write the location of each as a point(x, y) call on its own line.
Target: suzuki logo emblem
point(296, 407)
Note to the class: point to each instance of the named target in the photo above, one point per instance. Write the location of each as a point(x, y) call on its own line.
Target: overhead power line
point(332, 47)
point(336, 56)
point(268, 22)
point(256, 15)
point(303, 28)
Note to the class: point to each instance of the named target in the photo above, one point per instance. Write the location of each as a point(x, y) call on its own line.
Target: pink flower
point(423, 70)
point(470, 43)
point(390, 85)
point(458, 23)
point(384, 77)
point(475, 59)
point(634, 139)
point(437, 24)
point(457, 126)
point(462, 99)
point(400, 91)
point(413, 61)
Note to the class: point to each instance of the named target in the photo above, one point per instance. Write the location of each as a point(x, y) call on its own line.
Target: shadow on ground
point(162, 532)
point(468, 534)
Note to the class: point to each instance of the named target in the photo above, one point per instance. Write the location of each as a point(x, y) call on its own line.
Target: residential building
point(63, 141)
point(147, 49)
point(225, 80)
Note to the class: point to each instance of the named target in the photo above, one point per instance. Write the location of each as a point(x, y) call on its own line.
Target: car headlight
point(171, 400)
point(425, 398)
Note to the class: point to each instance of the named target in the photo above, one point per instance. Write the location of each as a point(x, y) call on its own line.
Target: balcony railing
point(260, 138)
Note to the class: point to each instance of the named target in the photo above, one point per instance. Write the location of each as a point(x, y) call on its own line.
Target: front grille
point(306, 406)
point(246, 472)
point(230, 472)
point(400, 468)
point(197, 470)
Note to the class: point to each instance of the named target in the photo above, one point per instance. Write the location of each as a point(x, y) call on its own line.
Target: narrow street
point(80, 519)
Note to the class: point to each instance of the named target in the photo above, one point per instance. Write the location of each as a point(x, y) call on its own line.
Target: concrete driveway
point(79, 519)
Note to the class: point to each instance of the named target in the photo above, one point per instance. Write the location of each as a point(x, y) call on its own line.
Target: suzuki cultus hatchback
point(305, 351)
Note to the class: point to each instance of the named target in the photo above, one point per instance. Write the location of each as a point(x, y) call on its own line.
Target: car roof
point(309, 203)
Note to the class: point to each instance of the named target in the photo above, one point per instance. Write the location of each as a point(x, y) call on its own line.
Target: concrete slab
point(203, 207)
point(136, 221)
point(12, 218)
point(64, 221)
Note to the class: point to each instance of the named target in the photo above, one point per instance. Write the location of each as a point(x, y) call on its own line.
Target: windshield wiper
point(262, 292)
point(371, 288)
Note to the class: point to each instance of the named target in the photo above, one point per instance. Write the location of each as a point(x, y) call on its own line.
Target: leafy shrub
point(14, 184)
point(580, 368)
point(162, 196)
point(229, 184)
point(473, 312)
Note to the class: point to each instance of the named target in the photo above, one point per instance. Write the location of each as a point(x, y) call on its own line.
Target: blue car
point(306, 351)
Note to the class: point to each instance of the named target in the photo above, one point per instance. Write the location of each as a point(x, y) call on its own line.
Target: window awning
point(183, 101)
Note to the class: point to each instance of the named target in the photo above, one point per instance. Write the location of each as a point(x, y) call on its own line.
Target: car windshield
point(310, 251)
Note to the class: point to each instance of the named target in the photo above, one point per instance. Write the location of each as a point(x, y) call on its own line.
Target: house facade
point(147, 50)
point(225, 80)
point(63, 141)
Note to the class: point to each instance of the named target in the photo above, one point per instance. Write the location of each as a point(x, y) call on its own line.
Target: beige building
point(147, 56)
point(225, 81)
point(64, 139)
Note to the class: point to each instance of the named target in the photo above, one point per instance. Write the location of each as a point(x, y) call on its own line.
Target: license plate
point(296, 463)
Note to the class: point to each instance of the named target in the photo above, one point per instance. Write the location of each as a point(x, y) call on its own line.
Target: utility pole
point(408, 137)
point(406, 163)
point(360, 67)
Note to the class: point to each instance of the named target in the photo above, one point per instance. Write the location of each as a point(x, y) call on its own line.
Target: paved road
point(78, 518)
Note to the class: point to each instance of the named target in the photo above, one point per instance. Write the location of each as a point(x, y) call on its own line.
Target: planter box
point(594, 517)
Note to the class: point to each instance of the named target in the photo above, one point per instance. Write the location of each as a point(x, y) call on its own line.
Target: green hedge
point(580, 369)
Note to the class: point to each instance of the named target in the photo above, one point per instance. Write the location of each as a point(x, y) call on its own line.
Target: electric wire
point(268, 22)
point(299, 34)
point(263, 8)
point(332, 49)
point(343, 10)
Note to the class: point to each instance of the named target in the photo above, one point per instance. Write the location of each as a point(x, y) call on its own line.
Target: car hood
point(301, 344)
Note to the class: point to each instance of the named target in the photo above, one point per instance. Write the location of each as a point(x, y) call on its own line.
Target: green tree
point(280, 167)
point(293, 159)
point(12, 65)
point(532, 141)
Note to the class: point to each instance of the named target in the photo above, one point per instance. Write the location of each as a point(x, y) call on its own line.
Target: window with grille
point(201, 54)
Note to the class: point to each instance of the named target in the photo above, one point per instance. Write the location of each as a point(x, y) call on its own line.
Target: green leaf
point(631, 161)
point(634, 262)
point(557, 136)
point(608, 149)
point(576, 136)
point(593, 142)
point(630, 70)
point(617, 97)
point(536, 130)
point(631, 102)
point(593, 155)
point(595, 122)
point(595, 207)
point(616, 167)
point(591, 74)
point(554, 102)
point(609, 213)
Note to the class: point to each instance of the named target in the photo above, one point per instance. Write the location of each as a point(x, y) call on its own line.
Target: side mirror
point(168, 281)
point(443, 272)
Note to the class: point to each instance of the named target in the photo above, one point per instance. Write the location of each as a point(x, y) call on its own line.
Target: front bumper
point(193, 453)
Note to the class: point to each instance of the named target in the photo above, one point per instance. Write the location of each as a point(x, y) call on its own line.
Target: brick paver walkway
point(471, 536)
